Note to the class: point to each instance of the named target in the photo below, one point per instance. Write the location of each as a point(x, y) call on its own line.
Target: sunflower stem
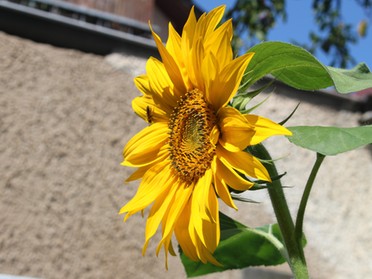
point(296, 259)
point(305, 197)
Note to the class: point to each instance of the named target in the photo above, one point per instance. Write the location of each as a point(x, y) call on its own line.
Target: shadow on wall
point(324, 98)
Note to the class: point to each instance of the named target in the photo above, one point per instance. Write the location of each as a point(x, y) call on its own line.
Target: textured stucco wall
point(64, 118)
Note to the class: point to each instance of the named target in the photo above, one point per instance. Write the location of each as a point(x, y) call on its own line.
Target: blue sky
point(300, 21)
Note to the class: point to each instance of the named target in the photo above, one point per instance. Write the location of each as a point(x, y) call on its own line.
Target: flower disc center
point(191, 124)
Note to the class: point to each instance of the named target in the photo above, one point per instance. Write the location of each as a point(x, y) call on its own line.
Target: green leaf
point(353, 80)
point(330, 140)
point(241, 247)
point(291, 64)
point(298, 68)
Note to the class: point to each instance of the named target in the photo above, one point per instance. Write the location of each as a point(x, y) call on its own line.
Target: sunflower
point(192, 151)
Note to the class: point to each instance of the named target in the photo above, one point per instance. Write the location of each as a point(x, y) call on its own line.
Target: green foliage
point(254, 19)
point(330, 140)
point(291, 64)
point(241, 247)
point(299, 69)
point(353, 80)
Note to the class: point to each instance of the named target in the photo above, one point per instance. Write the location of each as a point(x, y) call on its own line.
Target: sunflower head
point(193, 149)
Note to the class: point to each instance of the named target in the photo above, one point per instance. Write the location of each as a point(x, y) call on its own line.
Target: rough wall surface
point(64, 118)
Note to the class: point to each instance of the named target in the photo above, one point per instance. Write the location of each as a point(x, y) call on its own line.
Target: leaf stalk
point(305, 197)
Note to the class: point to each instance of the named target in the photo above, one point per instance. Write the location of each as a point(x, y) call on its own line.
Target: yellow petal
point(200, 29)
point(171, 249)
point(210, 70)
point(174, 47)
point(187, 41)
point(229, 177)
point(146, 145)
point(173, 44)
point(170, 66)
point(212, 19)
point(264, 128)
point(223, 193)
point(159, 209)
point(211, 227)
point(182, 234)
point(191, 244)
point(199, 210)
point(181, 198)
point(155, 181)
point(142, 159)
point(166, 243)
point(142, 83)
point(189, 30)
point(221, 187)
point(147, 134)
point(236, 132)
point(215, 135)
point(139, 173)
point(179, 202)
point(203, 253)
point(243, 162)
point(194, 64)
point(228, 81)
point(156, 89)
point(160, 84)
point(204, 213)
point(219, 44)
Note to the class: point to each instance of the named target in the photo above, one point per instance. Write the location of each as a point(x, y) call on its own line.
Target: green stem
point(296, 258)
point(305, 197)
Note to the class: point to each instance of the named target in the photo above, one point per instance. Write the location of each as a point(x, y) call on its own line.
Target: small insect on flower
point(149, 114)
